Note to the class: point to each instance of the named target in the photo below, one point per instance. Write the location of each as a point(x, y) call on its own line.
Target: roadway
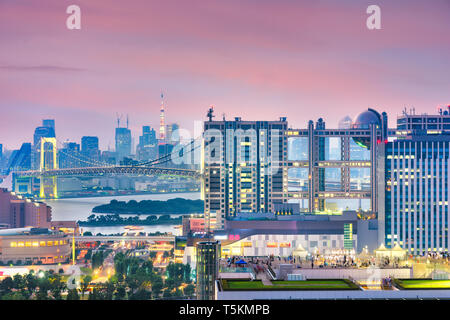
point(168, 238)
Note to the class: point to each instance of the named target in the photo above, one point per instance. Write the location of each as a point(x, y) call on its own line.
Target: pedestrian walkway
point(264, 277)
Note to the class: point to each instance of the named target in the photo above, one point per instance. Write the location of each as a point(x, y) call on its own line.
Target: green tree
point(73, 295)
point(157, 286)
point(109, 288)
point(56, 286)
point(31, 282)
point(120, 293)
point(141, 294)
point(13, 296)
point(189, 290)
point(85, 284)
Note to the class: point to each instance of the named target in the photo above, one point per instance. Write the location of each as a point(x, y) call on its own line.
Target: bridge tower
point(48, 161)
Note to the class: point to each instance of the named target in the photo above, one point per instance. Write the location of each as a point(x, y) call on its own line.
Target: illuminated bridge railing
point(134, 170)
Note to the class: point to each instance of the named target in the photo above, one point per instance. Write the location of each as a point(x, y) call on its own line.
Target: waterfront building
point(208, 255)
point(17, 211)
point(265, 166)
point(417, 184)
point(244, 168)
point(34, 246)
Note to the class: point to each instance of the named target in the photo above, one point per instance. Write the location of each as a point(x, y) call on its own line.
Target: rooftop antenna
point(118, 119)
point(162, 121)
point(127, 121)
point(210, 113)
point(223, 116)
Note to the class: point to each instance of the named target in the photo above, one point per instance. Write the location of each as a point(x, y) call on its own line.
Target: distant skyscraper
point(20, 160)
point(1, 151)
point(109, 157)
point(208, 254)
point(148, 144)
point(69, 155)
point(172, 134)
point(123, 143)
point(345, 123)
point(162, 126)
point(89, 149)
point(49, 123)
point(47, 130)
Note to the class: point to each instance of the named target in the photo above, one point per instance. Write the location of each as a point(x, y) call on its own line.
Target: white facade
point(283, 245)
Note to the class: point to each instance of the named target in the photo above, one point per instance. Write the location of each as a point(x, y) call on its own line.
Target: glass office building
point(208, 255)
point(317, 170)
point(417, 184)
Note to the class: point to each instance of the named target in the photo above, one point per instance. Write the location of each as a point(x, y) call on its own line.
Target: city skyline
point(308, 59)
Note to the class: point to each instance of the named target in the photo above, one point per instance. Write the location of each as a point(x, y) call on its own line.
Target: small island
point(116, 220)
point(171, 206)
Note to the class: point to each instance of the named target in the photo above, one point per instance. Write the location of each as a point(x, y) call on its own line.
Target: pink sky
point(257, 59)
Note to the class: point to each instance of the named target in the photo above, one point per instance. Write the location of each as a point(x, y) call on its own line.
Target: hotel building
point(33, 246)
point(17, 211)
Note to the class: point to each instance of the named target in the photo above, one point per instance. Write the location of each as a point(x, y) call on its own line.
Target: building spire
point(162, 125)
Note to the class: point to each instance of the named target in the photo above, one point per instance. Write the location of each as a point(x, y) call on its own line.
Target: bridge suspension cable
point(161, 160)
point(168, 157)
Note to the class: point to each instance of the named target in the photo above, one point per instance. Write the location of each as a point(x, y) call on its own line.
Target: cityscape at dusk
point(224, 150)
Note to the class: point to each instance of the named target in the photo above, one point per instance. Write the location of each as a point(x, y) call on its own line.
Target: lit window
point(20, 244)
point(42, 243)
point(49, 243)
point(13, 244)
point(28, 244)
point(35, 244)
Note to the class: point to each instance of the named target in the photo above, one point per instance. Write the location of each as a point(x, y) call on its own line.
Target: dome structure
point(363, 121)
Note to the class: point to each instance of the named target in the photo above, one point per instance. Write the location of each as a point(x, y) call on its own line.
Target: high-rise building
point(345, 123)
point(123, 143)
point(147, 149)
point(418, 185)
point(47, 130)
point(109, 157)
point(20, 160)
point(162, 124)
point(172, 133)
point(49, 123)
point(1, 151)
point(208, 255)
point(90, 150)
point(69, 156)
point(244, 168)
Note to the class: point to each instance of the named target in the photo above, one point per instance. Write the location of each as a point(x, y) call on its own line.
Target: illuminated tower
point(48, 161)
point(162, 126)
